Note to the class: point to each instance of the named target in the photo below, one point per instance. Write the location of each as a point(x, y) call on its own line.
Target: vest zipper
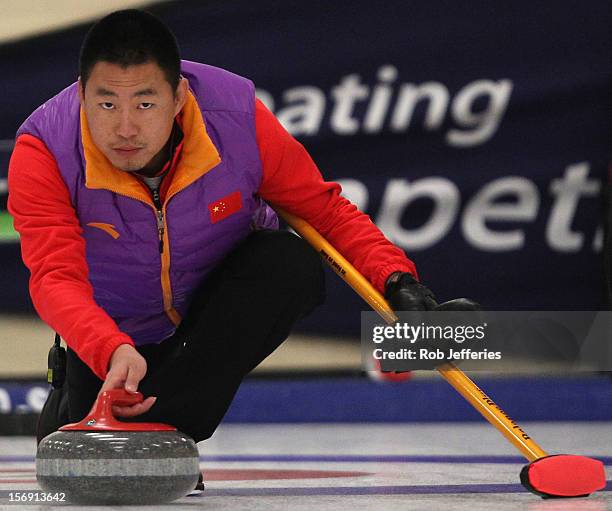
point(160, 219)
point(165, 259)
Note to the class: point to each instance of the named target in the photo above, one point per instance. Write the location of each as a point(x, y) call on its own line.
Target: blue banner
point(477, 138)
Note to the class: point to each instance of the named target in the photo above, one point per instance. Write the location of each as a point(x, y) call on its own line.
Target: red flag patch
point(225, 207)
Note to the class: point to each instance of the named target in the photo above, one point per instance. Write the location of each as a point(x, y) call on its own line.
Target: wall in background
point(478, 139)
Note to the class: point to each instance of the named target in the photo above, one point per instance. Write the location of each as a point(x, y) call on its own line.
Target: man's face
point(130, 111)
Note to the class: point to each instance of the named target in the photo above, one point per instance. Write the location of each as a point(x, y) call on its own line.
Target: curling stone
point(101, 460)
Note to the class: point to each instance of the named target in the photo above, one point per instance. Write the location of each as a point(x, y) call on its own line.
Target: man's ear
point(181, 94)
point(81, 91)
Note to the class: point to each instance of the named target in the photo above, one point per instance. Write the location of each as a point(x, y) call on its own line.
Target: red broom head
point(564, 475)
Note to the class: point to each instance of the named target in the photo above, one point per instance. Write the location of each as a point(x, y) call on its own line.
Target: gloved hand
point(405, 293)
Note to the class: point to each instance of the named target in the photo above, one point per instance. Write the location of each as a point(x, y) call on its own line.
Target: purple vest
point(126, 272)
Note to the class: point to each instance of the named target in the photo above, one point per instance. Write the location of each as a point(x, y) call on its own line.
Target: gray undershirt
point(152, 182)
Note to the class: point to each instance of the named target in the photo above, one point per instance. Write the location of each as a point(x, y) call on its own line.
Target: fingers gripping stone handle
point(103, 407)
point(101, 415)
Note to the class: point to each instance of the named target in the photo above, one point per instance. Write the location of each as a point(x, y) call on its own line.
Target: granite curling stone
point(101, 460)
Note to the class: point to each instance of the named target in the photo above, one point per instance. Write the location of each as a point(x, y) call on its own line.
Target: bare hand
point(127, 369)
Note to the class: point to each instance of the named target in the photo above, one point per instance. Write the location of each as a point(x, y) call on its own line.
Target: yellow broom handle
point(453, 375)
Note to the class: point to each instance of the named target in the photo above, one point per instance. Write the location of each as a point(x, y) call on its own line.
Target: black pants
point(240, 314)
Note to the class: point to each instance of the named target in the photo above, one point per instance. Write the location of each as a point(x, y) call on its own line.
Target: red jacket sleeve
point(292, 181)
point(53, 249)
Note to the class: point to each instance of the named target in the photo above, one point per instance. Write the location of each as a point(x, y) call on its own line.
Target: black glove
point(404, 293)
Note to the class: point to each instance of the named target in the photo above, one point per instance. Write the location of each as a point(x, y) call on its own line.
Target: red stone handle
point(101, 415)
point(103, 407)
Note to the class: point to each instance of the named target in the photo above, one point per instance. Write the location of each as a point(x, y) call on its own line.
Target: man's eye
point(107, 106)
point(145, 106)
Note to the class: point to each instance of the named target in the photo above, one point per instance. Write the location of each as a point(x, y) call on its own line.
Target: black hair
point(131, 37)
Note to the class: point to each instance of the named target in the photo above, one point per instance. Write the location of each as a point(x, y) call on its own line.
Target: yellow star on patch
point(216, 209)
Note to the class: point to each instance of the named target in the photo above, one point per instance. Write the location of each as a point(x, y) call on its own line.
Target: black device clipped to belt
point(56, 372)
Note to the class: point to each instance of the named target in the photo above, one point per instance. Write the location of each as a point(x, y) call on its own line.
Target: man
point(141, 196)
